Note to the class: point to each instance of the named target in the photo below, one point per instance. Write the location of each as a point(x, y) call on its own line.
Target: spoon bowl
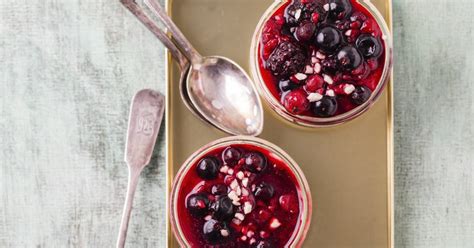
point(224, 94)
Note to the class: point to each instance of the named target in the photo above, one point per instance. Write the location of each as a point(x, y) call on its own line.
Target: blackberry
point(286, 60)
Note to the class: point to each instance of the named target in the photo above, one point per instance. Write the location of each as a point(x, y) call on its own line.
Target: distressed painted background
point(69, 68)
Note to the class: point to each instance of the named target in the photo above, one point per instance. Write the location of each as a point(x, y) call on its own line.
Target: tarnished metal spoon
point(145, 118)
point(219, 89)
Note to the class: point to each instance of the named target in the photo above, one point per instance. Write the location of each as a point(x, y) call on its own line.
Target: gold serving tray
point(349, 167)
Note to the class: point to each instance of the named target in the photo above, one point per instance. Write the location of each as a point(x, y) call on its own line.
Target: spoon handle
point(156, 30)
point(134, 175)
point(178, 36)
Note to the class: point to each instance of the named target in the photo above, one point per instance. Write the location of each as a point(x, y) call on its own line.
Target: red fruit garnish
point(296, 102)
point(314, 83)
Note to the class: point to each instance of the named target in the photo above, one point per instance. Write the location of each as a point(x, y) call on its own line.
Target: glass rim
point(298, 236)
point(309, 121)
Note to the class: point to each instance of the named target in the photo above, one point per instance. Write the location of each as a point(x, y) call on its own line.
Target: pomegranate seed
point(306, 1)
point(314, 82)
point(354, 34)
point(289, 203)
point(315, 17)
point(355, 25)
point(228, 179)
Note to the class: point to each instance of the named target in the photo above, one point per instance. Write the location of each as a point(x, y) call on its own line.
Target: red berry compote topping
point(239, 196)
point(321, 58)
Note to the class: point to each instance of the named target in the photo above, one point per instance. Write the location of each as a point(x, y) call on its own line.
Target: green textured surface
point(69, 69)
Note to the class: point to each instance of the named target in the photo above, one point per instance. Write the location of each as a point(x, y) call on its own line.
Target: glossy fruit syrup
point(321, 58)
point(239, 196)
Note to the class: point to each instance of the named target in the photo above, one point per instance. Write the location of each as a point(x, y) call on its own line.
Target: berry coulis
point(321, 58)
point(239, 196)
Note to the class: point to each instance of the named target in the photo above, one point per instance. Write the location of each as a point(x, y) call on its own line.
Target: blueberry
point(349, 58)
point(286, 85)
point(219, 189)
point(305, 31)
point(231, 156)
point(328, 39)
point(223, 208)
point(369, 46)
point(215, 231)
point(255, 162)
point(360, 95)
point(208, 168)
point(325, 107)
point(264, 191)
point(339, 9)
point(197, 204)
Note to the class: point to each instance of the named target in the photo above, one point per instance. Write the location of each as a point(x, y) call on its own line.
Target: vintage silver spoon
point(219, 89)
point(146, 114)
point(177, 55)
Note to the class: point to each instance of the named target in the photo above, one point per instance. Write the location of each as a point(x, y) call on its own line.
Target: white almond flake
point(240, 175)
point(247, 207)
point(252, 241)
point(232, 195)
point(238, 191)
point(320, 55)
point(333, 5)
point(330, 93)
point(275, 223)
point(245, 181)
point(224, 233)
point(208, 217)
point(230, 171)
point(253, 187)
point(300, 76)
point(314, 97)
point(309, 70)
point(236, 203)
point(224, 169)
point(348, 32)
point(297, 14)
point(236, 221)
point(250, 234)
point(245, 192)
point(317, 68)
point(349, 88)
point(234, 184)
point(328, 79)
point(240, 216)
point(243, 238)
point(326, 7)
point(314, 60)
